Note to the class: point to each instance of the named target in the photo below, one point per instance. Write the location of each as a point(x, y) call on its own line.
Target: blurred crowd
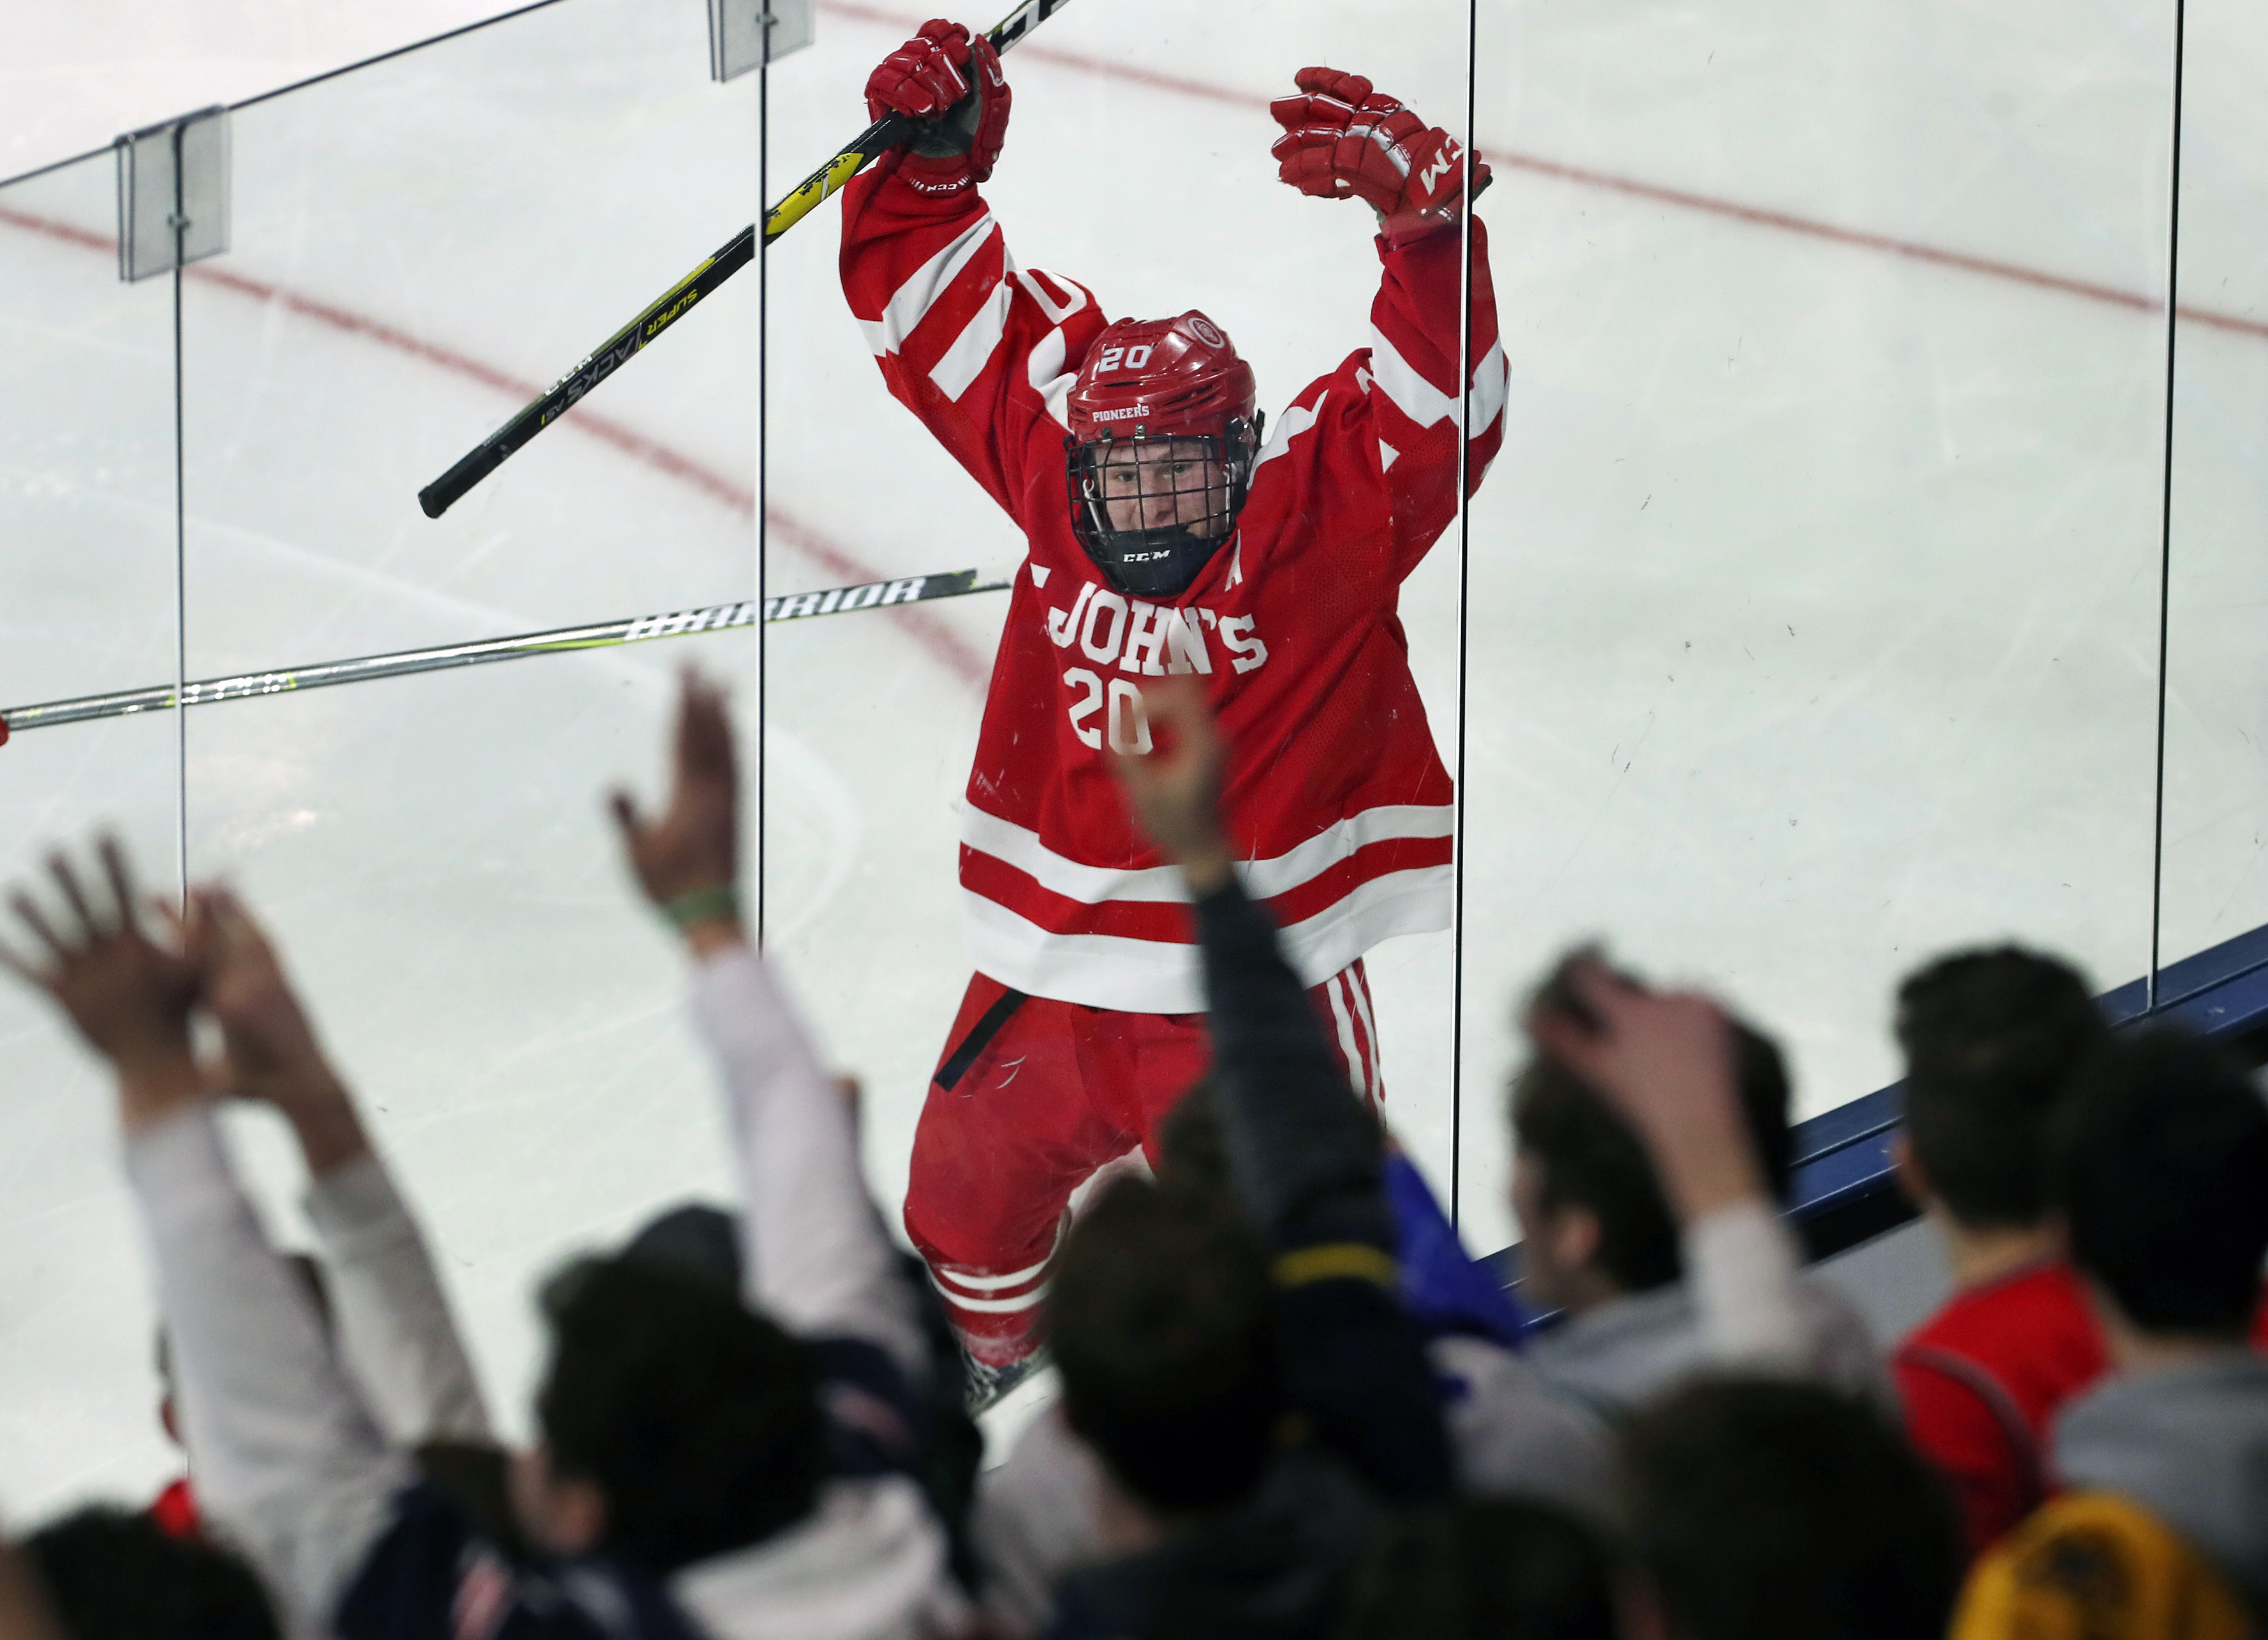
point(1289, 1404)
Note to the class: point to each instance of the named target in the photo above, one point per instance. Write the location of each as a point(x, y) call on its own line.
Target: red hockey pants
point(1029, 1098)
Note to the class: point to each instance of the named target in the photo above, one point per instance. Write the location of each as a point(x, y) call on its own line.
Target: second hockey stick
point(673, 304)
point(879, 594)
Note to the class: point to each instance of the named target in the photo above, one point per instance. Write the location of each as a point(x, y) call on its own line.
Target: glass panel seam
point(763, 451)
point(181, 582)
point(1465, 596)
point(385, 56)
point(2166, 511)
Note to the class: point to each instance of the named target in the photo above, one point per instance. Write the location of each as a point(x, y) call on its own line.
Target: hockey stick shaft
point(665, 310)
point(879, 594)
point(610, 355)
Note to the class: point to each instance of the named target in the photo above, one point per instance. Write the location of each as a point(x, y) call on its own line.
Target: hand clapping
point(129, 997)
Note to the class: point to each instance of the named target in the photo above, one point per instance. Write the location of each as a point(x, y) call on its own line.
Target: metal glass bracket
point(173, 194)
point(746, 34)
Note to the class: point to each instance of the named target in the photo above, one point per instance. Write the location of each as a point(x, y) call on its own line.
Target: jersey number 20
point(1129, 726)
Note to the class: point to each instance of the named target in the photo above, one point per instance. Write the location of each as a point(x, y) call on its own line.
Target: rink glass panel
point(1136, 162)
point(419, 245)
point(1814, 618)
point(86, 605)
point(1903, 509)
point(2216, 808)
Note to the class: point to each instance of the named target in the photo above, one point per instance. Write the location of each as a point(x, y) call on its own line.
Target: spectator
point(1040, 1513)
point(175, 1509)
point(374, 1286)
point(388, 1313)
point(24, 1613)
point(2161, 1177)
point(2098, 1566)
point(1600, 1238)
point(687, 1479)
point(1038, 1516)
point(1990, 1040)
point(1510, 1434)
point(113, 1574)
point(1183, 1326)
point(1760, 1507)
point(1487, 1570)
point(1765, 1510)
point(703, 1242)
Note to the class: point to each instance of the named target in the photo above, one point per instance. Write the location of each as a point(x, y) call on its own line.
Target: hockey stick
point(673, 304)
point(878, 595)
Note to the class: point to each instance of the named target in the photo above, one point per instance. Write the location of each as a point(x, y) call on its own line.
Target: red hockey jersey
point(1336, 800)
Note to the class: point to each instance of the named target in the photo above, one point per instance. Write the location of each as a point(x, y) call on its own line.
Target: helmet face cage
point(1136, 472)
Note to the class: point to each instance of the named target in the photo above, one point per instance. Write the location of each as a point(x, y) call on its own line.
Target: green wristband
point(719, 901)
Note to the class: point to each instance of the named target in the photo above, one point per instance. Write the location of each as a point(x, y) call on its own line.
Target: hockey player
point(1166, 536)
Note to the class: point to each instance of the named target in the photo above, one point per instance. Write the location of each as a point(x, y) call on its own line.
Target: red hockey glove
point(1341, 140)
point(949, 83)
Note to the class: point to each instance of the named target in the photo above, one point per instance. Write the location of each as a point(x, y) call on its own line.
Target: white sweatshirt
point(395, 1330)
point(296, 1469)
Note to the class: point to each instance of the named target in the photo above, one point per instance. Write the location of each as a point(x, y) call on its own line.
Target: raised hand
point(1175, 787)
point(1343, 140)
point(1667, 1063)
point(129, 997)
point(950, 81)
point(688, 859)
point(270, 1051)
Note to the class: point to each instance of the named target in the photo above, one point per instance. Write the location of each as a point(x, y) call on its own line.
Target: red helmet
point(1152, 525)
point(1151, 377)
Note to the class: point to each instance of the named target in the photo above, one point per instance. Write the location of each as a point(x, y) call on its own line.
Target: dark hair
point(113, 1574)
point(1991, 1040)
point(702, 1243)
point(697, 1241)
point(1192, 1142)
point(1482, 1569)
point(1163, 1322)
point(698, 1420)
point(1764, 1509)
point(1192, 1148)
point(1590, 1158)
point(2161, 1173)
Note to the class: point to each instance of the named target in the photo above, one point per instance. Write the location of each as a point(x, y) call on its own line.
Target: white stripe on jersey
point(1080, 295)
point(1359, 984)
point(1161, 976)
point(1347, 1044)
point(1425, 404)
point(993, 1307)
point(1044, 369)
point(948, 1277)
point(1263, 879)
point(1293, 422)
point(913, 299)
point(973, 349)
point(1413, 395)
point(1492, 383)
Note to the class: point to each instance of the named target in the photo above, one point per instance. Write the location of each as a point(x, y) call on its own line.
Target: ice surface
point(1812, 603)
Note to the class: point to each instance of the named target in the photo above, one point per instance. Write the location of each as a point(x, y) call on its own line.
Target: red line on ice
point(945, 646)
point(1754, 216)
